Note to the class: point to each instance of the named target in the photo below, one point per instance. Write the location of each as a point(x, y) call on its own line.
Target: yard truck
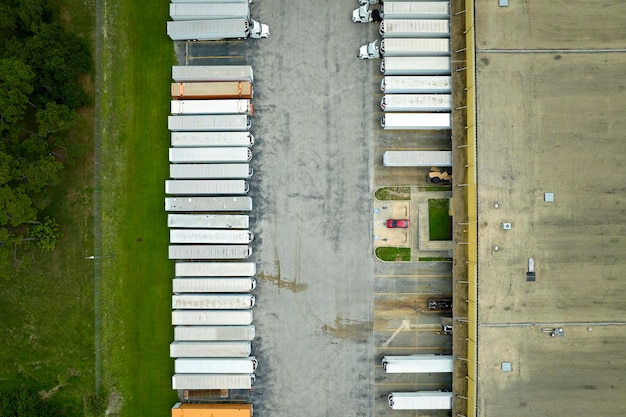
point(213, 285)
point(214, 333)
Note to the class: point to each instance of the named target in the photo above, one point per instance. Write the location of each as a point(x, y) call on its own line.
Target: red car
point(393, 223)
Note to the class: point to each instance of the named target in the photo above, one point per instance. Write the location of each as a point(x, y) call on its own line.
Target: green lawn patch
point(393, 193)
point(439, 220)
point(386, 253)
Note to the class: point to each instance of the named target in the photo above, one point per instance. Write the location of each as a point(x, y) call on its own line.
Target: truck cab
point(364, 15)
point(259, 30)
point(369, 51)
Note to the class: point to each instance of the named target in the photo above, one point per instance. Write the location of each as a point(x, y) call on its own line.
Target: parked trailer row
point(211, 139)
point(212, 90)
point(409, 28)
point(206, 187)
point(209, 221)
point(210, 171)
point(210, 123)
point(416, 65)
point(210, 154)
point(420, 400)
point(416, 84)
point(214, 333)
point(215, 269)
point(417, 158)
point(209, 11)
point(212, 301)
point(197, 73)
point(226, 106)
point(221, 203)
point(416, 121)
point(231, 349)
point(211, 236)
point(416, 102)
point(215, 365)
point(213, 285)
point(211, 317)
point(205, 252)
point(213, 410)
point(415, 10)
point(425, 363)
point(212, 381)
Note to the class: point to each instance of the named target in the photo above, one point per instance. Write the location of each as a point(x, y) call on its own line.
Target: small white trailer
point(214, 333)
point(209, 221)
point(420, 400)
point(415, 10)
point(212, 301)
point(213, 285)
point(425, 363)
point(190, 73)
point(415, 47)
point(211, 139)
point(415, 28)
point(231, 349)
point(416, 102)
point(212, 236)
point(415, 65)
point(208, 11)
point(210, 155)
point(212, 381)
point(416, 121)
point(417, 158)
point(209, 252)
point(211, 317)
point(218, 204)
point(215, 365)
point(206, 187)
point(409, 84)
point(233, 106)
point(215, 269)
point(210, 123)
point(210, 171)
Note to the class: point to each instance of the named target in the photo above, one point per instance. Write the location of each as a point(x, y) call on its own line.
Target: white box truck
point(215, 269)
point(417, 158)
point(213, 285)
point(406, 47)
point(415, 10)
point(210, 171)
point(196, 73)
point(208, 252)
point(214, 333)
point(206, 187)
point(425, 363)
point(209, 221)
point(203, 349)
point(415, 28)
point(229, 106)
point(210, 154)
point(213, 30)
point(230, 237)
point(212, 381)
point(416, 121)
point(416, 102)
point(409, 84)
point(416, 65)
point(215, 365)
point(211, 317)
point(217, 122)
point(420, 400)
point(211, 139)
point(218, 204)
point(212, 301)
point(209, 11)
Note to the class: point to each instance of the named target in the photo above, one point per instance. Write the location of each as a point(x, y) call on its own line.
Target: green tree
point(54, 118)
point(15, 207)
point(47, 234)
point(15, 87)
point(24, 403)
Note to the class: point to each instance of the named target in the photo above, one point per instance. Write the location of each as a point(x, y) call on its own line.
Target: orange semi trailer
point(212, 90)
point(211, 410)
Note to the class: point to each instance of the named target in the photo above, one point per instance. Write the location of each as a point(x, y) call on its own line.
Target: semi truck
point(211, 139)
point(214, 410)
point(229, 154)
point(212, 90)
point(406, 47)
point(212, 381)
point(209, 221)
point(212, 301)
point(416, 121)
point(206, 252)
point(202, 73)
point(420, 400)
point(425, 363)
point(415, 10)
point(416, 102)
point(230, 349)
point(210, 171)
point(214, 30)
point(214, 333)
point(209, 11)
point(215, 123)
point(215, 269)
point(206, 187)
point(211, 317)
point(215, 365)
point(417, 158)
point(407, 84)
point(226, 106)
point(415, 65)
point(229, 237)
point(213, 285)
point(415, 28)
point(218, 204)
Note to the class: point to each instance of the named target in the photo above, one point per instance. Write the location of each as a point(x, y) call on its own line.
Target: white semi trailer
point(214, 333)
point(415, 10)
point(217, 122)
point(209, 252)
point(416, 121)
point(210, 171)
point(213, 285)
point(409, 84)
point(215, 269)
point(218, 204)
point(211, 1)
point(213, 30)
point(211, 317)
point(417, 158)
point(416, 65)
point(416, 102)
point(197, 73)
point(231, 349)
point(212, 301)
point(208, 11)
point(215, 365)
point(211, 139)
point(211, 236)
point(206, 187)
point(209, 221)
point(415, 28)
point(233, 106)
point(425, 363)
point(420, 400)
point(212, 381)
point(210, 155)
point(406, 47)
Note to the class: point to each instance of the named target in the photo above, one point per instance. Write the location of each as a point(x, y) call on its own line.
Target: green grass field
point(439, 220)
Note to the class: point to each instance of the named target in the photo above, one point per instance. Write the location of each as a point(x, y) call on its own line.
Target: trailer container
point(211, 317)
point(210, 154)
point(212, 381)
point(416, 102)
point(195, 73)
point(415, 10)
point(213, 285)
point(212, 90)
point(211, 123)
point(211, 1)
point(415, 65)
point(215, 269)
point(415, 47)
point(420, 400)
point(212, 301)
point(212, 30)
point(226, 106)
point(215, 366)
point(415, 28)
point(206, 187)
point(210, 171)
point(208, 252)
point(211, 139)
point(417, 158)
point(415, 84)
point(232, 237)
point(209, 221)
point(218, 204)
point(215, 333)
point(416, 121)
point(209, 11)
point(211, 410)
point(231, 349)
point(417, 364)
